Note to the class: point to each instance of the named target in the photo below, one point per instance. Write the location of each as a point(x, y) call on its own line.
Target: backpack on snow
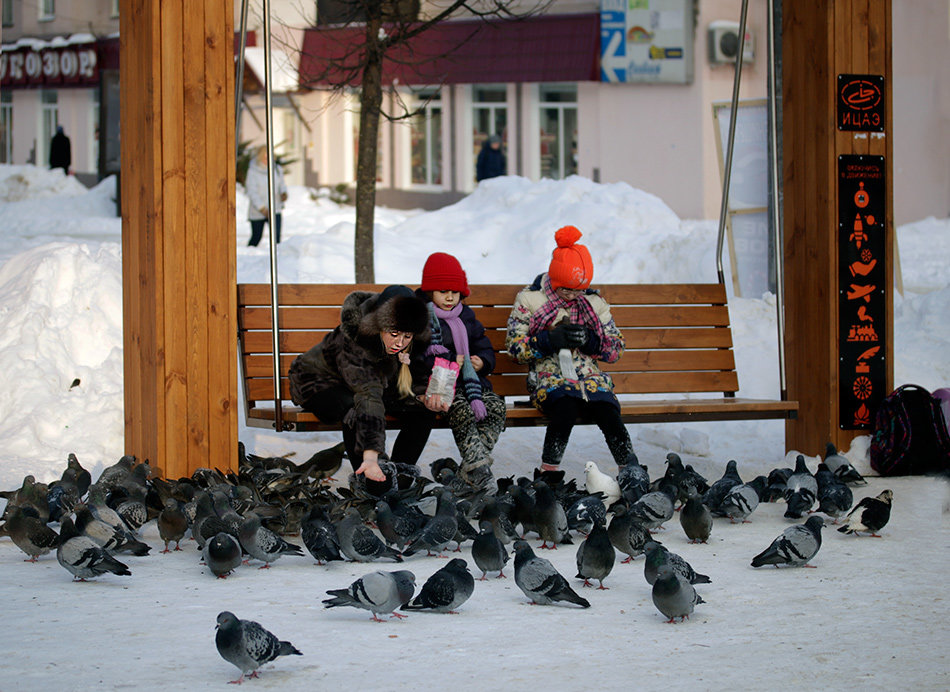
point(910, 435)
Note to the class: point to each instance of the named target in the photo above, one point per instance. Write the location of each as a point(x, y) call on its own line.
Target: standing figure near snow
point(361, 372)
point(255, 185)
point(476, 413)
point(561, 328)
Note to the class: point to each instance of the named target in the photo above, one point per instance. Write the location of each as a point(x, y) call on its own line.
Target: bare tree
point(388, 25)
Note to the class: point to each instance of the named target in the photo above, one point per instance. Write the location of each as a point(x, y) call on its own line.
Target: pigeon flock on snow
point(273, 508)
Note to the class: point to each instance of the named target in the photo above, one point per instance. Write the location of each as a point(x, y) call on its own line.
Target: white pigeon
point(596, 481)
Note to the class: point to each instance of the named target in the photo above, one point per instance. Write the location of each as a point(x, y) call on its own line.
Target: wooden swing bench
point(678, 348)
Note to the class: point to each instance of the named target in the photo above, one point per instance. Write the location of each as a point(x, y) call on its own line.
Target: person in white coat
point(255, 185)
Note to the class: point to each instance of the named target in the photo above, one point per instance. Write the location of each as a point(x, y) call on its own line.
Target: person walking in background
point(60, 153)
point(561, 328)
point(491, 161)
point(255, 185)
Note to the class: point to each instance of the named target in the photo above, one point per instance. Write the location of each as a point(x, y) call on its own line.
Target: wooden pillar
point(838, 216)
point(178, 233)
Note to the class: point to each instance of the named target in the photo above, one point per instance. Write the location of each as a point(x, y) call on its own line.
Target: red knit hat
point(571, 265)
point(442, 272)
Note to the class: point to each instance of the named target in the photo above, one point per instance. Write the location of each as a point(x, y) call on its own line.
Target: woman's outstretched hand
point(370, 468)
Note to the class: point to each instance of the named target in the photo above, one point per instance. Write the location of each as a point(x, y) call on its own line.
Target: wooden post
point(178, 234)
point(838, 210)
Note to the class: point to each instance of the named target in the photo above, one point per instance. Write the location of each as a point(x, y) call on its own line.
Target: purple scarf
point(471, 386)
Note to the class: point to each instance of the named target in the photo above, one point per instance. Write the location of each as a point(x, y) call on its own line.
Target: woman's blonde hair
point(404, 379)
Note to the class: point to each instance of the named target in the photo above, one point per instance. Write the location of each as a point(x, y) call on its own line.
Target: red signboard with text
point(72, 65)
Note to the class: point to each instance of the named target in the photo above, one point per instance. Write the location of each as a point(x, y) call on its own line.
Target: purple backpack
point(910, 434)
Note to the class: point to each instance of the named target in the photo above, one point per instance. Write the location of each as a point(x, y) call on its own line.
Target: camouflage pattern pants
point(476, 439)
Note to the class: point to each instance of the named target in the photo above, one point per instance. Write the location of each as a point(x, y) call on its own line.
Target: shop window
point(558, 118)
point(7, 12)
point(6, 127)
point(47, 10)
point(426, 139)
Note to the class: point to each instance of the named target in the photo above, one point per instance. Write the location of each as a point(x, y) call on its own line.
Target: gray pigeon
point(172, 524)
point(263, 544)
point(378, 592)
point(839, 465)
point(439, 531)
point(396, 529)
point(801, 490)
point(549, 517)
point(673, 595)
point(319, 536)
point(358, 542)
point(795, 547)
point(626, 532)
point(114, 538)
point(488, 551)
point(29, 533)
point(83, 557)
point(539, 581)
point(633, 479)
point(655, 508)
point(222, 554)
point(870, 515)
point(695, 518)
point(712, 498)
point(595, 556)
point(742, 499)
point(657, 555)
point(445, 590)
point(247, 645)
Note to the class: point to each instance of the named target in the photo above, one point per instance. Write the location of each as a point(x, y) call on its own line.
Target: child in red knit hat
point(477, 414)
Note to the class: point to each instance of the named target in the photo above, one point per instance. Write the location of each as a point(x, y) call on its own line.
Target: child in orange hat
point(561, 329)
point(476, 414)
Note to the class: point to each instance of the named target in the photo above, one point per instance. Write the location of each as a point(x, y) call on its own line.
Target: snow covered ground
point(871, 616)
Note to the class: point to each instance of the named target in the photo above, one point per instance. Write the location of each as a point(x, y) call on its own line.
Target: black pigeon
point(522, 507)
point(488, 551)
point(626, 532)
point(324, 463)
point(870, 515)
point(839, 465)
point(673, 474)
point(222, 554)
point(586, 511)
point(794, 547)
point(396, 530)
point(319, 536)
point(742, 499)
point(777, 482)
point(445, 590)
point(83, 557)
point(673, 595)
point(595, 556)
point(834, 497)
point(358, 542)
point(438, 531)
point(657, 554)
point(495, 510)
point(247, 645)
point(695, 518)
point(801, 490)
point(633, 479)
point(29, 533)
point(549, 517)
point(172, 524)
point(691, 478)
point(713, 497)
point(540, 581)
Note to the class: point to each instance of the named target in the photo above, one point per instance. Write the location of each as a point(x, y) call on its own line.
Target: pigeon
point(319, 536)
point(839, 465)
point(324, 464)
point(396, 530)
point(655, 508)
point(83, 557)
point(794, 547)
point(114, 475)
point(595, 556)
point(539, 581)
point(445, 590)
point(695, 518)
point(439, 531)
point(742, 499)
point(358, 542)
point(172, 524)
point(674, 471)
point(222, 554)
point(549, 517)
point(29, 494)
point(596, 481)
point(112, 538)
point(869, 515)
point(801, 490)
point(626, 532)
point(712, 498)
point(633, 479)
point(29, 533)
point(80, 476)
point(247, 645)
point(522, 508)
point(263, 544)
point(496, 511)
point(96, 503)
point(657, 554)
point(691, 478)
point(834, 497)
point(378, 592)
point(777, 481)
point(489, 552)
point(673, 595)
point(586, 511)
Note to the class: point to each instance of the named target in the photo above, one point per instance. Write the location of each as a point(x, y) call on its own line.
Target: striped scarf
point(579, 310)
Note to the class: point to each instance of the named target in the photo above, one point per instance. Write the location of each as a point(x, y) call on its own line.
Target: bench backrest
point(677, 336)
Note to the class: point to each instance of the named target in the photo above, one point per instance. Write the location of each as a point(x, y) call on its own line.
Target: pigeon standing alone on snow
point(378, 592)
point(247, 645)
point(540, 581)
point(674, 596)
point(795, 547)
point(445, 590)
point(870, 515)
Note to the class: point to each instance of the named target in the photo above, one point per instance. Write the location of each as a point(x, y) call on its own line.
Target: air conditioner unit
point(723, 40)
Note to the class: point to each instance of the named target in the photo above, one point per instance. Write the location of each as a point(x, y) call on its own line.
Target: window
point(426, 139)
point(489, 116)
point(47, 10)
point(7, 12)
point(558, 130)
point(50, 120)
point(6, 126)
point(114, 9)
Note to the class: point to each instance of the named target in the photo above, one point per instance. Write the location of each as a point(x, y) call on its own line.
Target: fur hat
point(443, 272)
point(571, 265)
point(396, 309)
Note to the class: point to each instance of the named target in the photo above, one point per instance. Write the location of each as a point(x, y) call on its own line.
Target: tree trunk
point(371, 97)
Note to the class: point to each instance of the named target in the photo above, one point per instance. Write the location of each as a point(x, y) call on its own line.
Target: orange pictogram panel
point(862, 417)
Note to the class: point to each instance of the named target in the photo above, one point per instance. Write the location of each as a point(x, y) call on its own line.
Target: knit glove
point(591, 345)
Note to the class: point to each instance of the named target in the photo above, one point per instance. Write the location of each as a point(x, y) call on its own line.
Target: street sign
point(646, 41)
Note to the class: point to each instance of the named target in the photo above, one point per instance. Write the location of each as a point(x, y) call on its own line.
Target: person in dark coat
point(361, 372)
point(60, 153)
point(491, 161)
